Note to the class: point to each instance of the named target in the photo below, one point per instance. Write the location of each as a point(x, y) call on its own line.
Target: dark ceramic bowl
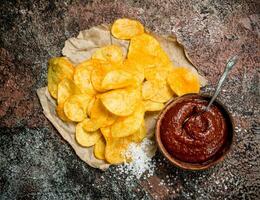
point(218, 157)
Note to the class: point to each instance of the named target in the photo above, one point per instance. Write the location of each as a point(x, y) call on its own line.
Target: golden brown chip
point(117, 79)
point(82, 76)
point(163, 94)
point(183, 81)
point(75, 107)
point(115, 150)
point(139, 135)
point(60, 113)
point(157, 91)
point(90, 105)
point(98, 74)
point(100, 115)
point(121, 102)
point(157, 73)
point(147, 50)
point(66, 88)
point(106, 132)
point(110, 53)
point(152, 106)
point(99, 149)
point(84, 138)
point(90, 125)
point(58, 68)
point(125, 126)
point(126, 28)
point(134, 68)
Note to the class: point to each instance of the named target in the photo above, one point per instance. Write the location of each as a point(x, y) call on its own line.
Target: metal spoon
point(230, 64)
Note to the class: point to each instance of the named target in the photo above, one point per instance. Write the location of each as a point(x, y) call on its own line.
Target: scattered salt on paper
point(141, 161)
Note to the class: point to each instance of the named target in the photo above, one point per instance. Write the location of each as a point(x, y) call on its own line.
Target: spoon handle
point(230, 64)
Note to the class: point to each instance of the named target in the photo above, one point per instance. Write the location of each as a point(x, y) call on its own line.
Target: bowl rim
point(183, 164)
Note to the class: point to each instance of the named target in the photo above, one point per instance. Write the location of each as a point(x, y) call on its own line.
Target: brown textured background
point(35, 163)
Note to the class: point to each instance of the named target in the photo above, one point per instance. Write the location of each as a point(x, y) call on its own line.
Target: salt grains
point(141, 155)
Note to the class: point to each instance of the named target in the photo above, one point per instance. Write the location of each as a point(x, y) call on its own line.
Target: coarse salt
point(141, 160)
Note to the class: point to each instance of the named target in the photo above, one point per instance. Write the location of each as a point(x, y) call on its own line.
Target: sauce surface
point(191, 135)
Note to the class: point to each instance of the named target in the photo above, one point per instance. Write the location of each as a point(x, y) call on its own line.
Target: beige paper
point(81, 48)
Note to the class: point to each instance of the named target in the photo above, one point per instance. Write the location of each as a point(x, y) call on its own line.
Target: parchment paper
point(81, 48)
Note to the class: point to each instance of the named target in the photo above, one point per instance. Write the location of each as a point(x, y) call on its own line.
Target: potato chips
point(182, 81)
point(126, 28)
point(109, 94)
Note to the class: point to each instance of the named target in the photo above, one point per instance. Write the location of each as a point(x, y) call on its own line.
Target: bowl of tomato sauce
point(192, 138)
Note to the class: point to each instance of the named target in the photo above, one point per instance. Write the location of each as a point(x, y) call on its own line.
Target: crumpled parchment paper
point(81, 48)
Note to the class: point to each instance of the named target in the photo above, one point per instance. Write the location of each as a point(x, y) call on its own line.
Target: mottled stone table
point(36, 163)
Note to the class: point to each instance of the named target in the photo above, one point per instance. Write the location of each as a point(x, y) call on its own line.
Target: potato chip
point(110, 53)
point(117, 79)
point(125, 126)
point(163, 94)
point(149, 90)
point(99, 149)
point(82, 76)
point(126, 28)
point(60, 113)
point(106, 132)
point(152, 106)
point(66, 88)
point(75, 107)
point(100, 115)
point(90, 125)
point(121, 102)
point(147, 50)
point(157, 73)
point(115, 150)
point(84, 138)
point(134, 68)
point(139, 135)
point(59, 68)
point(157, 91)
point(90, 105)
point(183, 81)
point(98, 74)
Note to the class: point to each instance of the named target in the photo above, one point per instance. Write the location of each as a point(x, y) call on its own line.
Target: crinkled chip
point(101, 116)
point(115, 150)
point(125, 126)
point(90, 125)
point(75, 107)
point(126, 28)
point(82, 76)
point(86, 139)
point(58, 68)
point(110, 53)
point(152, 106)
point(183, 81)
point(98, 74)
point(66, 88)
point(121, 102)
point(99, 149)
point(117, 79)
point(60, 113)
point(139, 135)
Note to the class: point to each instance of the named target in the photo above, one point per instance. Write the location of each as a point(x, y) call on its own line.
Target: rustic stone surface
point(35, 163)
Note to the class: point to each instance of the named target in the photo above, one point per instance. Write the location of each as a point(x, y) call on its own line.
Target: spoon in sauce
point(230, 64)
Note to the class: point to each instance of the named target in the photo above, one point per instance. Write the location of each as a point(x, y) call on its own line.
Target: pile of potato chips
point(108, 95)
